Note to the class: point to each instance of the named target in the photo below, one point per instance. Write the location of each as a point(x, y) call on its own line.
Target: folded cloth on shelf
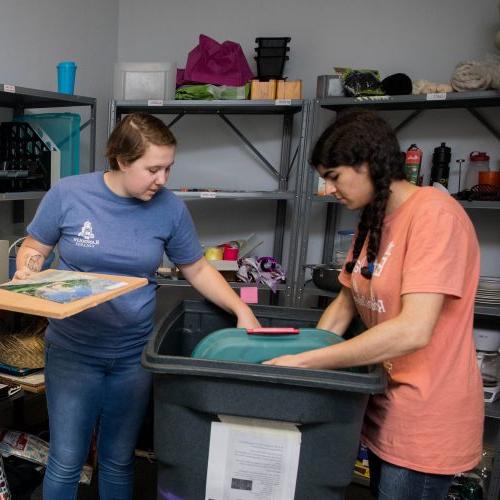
point(264, 270)
point(477, 75)
point(208, 92)
point(217, 63)
point(427, 87)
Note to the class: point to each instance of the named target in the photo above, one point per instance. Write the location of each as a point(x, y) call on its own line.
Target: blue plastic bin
point(64, 130)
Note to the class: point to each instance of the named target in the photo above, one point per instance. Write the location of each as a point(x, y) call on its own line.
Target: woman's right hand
point(23, 274)
point(30, 258)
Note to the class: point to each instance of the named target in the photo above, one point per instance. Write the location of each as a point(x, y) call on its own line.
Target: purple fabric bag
point(219, 64)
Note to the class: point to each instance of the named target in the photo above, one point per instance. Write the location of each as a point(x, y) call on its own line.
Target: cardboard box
point(262, 90)
point(289, 89)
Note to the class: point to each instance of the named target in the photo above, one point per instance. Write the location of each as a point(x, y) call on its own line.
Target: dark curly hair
point(360, 136)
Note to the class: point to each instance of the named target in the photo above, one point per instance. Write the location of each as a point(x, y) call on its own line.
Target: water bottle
point(440, 170)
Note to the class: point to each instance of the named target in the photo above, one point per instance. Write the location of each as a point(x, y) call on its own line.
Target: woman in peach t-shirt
point(411, 275)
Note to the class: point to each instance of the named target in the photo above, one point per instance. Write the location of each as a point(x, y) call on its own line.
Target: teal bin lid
point(261, 344)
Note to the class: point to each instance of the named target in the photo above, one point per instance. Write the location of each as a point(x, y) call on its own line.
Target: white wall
point(424, 39)
point(35, 35)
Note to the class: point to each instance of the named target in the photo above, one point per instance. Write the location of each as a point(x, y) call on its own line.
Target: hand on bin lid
point(240, 345)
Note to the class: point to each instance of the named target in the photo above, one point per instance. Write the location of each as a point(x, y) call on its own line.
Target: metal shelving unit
point(418, 104)
point(286, 195)
point(470, 101)
point(21, 98)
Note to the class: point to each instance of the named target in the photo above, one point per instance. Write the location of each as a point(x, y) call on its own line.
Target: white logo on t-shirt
point(86, 231)
point(86, 236)
point(373, 303)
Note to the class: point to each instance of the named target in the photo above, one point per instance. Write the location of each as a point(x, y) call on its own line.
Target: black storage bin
point(270, 66)
point(273, 41)
point(189, 394)
point(271, 51)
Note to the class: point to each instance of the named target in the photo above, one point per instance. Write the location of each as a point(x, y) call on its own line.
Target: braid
point(379, 205)
point(363, 227)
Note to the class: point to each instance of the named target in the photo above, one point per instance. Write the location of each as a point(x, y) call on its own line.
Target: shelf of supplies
point(311, 289)
point(22, 195)
point(232, 284)
point(13, 96)
point(235, 195)
point(11, 399)
point(425, 101)
point(362, 481)
point(492, 410)
point(486, 309)
point(243, 107)
point(491, 205)
point(318, 198)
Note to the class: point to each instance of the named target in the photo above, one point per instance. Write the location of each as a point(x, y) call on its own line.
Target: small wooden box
point(289, 89)
point(262, 90)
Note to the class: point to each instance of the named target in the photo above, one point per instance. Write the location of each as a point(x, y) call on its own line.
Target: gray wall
point(424, 39)
point(35, 35)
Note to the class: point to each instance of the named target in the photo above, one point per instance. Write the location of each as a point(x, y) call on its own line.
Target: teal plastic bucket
point(260, 344)
point(64, 130)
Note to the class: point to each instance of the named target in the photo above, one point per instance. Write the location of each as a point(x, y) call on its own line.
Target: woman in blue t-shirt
point(117, 222)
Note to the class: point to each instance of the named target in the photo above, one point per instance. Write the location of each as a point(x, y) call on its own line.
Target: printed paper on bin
point(252, 459)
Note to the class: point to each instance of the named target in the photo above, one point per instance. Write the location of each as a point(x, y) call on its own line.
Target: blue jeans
point(83, 391)
point(390, 482)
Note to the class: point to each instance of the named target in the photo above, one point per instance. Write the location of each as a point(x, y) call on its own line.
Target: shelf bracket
point(240, 134)
point(176, 119)
point(481, 119)
point(408, 119)
point(294, 157)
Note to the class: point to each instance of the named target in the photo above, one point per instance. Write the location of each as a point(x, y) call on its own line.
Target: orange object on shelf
point(262, 90)
point(289, 89)
point(491, 178)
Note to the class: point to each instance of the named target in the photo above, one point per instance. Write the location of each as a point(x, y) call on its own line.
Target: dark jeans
point(390, 482)
point(81, 391)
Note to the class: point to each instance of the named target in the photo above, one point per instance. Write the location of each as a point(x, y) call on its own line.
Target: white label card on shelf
point(9, 88)
point(208, 194)
point(283, 102)
point(436, 96)
point(155, 102)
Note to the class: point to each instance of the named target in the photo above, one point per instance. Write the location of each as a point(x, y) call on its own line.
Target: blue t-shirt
point(98, 231)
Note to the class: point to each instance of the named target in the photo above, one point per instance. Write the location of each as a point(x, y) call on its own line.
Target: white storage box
point(140, 81)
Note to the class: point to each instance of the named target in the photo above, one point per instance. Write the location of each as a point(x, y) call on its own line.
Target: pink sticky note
point(249, 294)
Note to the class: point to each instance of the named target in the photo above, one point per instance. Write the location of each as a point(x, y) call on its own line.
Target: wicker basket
point(24, 348)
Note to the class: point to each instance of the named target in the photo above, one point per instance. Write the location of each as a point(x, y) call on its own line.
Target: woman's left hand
point(294, 360)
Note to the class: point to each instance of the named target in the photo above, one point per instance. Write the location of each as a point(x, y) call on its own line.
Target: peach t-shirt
point(430, 418)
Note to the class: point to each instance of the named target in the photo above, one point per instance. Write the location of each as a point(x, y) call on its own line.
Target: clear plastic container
point(342, 243)
point(478, 162)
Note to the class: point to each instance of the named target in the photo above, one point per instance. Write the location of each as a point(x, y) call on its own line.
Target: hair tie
point(371, 267)
point(349, 266)
point(366, 273)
